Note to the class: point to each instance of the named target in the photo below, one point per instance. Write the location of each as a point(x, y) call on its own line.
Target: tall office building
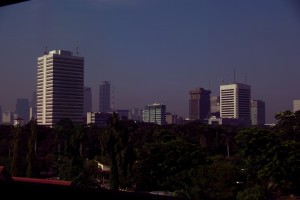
point(22, 109)
point(155, 113)
point(199, 104)
point(104, 97)
point(235, 101)
point(87, 106)
point(258, 116)
point(60, 85)
point(296, 105)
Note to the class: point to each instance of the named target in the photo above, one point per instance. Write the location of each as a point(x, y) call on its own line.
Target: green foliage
point(30, 157)
point(167, 164)
point(252, 193)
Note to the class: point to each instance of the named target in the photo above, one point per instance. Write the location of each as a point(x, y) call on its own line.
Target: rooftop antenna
point(77, 53)
point(245, 78)
point(46, 50)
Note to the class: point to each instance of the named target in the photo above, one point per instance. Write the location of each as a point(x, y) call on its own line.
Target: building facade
point(87, 105)
point(235, 100)
point(296, 105)
point(258, 113)
point(199, 104)
point(98, 118)
point(60, 86)
point(104, 97)
point(215, 106)
point(155, 113)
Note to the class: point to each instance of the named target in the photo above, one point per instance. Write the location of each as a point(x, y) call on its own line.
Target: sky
point(157, 50)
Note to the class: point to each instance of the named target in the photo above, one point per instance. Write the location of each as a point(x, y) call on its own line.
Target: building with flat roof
point(199, 104)
point(60, 86)
point(258, 113)
point(104, 97)
point(235, 102)
point(155, 113)
point(87, 105)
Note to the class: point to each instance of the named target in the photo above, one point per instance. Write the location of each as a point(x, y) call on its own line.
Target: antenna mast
point(77, 51)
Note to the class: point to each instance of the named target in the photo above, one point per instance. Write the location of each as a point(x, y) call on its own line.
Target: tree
point(31, 154)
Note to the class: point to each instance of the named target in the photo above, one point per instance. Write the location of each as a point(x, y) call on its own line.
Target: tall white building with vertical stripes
point(235, 101)
point(60, 86)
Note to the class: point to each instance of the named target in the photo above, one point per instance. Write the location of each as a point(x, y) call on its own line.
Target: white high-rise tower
point(235, 101)
point(60, 86)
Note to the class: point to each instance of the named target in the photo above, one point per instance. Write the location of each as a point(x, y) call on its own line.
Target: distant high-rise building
point(258, 116)
point(235, 102)
point(171, 118)
point(296, 105)
point(136, 114)
point(32, 113)
point(22, 109)
point(87, 106)
point(60, 85)
point(155, 113)
point(104, 97)
point(199, 104)
point(215, 106)
point(7, 117)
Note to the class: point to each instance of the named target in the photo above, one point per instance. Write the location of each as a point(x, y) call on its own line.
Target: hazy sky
point(157, 50)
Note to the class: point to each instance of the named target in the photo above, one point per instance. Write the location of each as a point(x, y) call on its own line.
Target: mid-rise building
point(7, 118)
point(87, 105)
point(60, 85)
point(123, 114)
point(104, 97)
point(296, 105)
point(23, 109)
point(199, 104)
point(235, 102)
point(155, 113)
point(171, 118)
point(98, 118)
point(258, 113)
point(215, 106)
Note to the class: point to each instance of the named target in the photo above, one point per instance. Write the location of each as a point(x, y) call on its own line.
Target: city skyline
point(158, 50)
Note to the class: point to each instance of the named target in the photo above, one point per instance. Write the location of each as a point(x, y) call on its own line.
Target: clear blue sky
point(157, 50)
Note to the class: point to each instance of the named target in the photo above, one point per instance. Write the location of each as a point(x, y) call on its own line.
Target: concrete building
point(199, 104)
point(104, 97)
point(23, 109)
point(215, 106)
point(155, 113)
point(87, 105)
point(235, 100)
point(258, 113)
point(98, 118)
point(60, 85)
point(171, 118)
point(7, 118)
point(296, 105)
point(136, 114)
point(123, 114)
